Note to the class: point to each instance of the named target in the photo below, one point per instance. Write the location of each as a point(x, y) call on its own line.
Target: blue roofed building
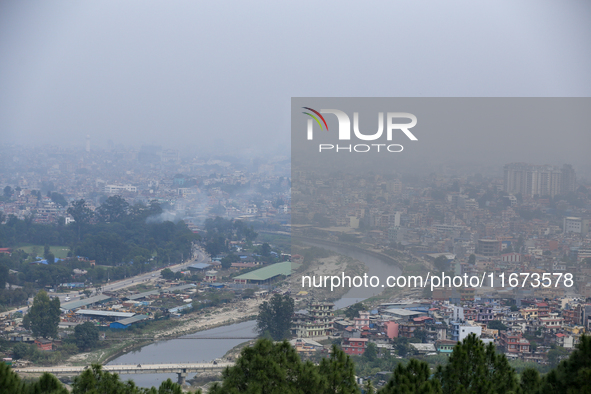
point(124, 324)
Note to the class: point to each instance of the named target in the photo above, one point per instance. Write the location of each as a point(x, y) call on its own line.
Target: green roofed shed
point(266, 274)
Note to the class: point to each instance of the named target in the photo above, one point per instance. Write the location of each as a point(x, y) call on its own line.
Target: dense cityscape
point(72, 225)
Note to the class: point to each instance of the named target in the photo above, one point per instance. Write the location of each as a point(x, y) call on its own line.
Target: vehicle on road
point(67, 298)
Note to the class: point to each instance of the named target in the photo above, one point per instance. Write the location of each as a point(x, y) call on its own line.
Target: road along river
point(183, 349)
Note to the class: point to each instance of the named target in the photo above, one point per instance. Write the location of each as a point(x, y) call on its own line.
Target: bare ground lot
point(334, 264)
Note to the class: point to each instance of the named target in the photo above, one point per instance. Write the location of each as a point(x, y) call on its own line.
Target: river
point(199, 350)
point(180, 350)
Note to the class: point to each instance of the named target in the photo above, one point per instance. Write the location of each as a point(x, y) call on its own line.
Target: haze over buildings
point(213, 78)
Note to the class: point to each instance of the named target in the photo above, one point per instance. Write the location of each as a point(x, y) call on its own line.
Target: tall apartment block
point(543, 180)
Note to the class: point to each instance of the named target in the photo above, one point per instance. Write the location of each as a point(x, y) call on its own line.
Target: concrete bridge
point(182, 370)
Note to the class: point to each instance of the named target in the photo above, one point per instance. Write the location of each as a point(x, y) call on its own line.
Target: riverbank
point(169, 329)
point(161, 331)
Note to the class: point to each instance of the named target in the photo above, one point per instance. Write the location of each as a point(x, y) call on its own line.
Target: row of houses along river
point(191, 349)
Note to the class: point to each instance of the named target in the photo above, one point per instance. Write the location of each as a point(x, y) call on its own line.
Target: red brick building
point(513, 342)
point(354, 346)
point(43, 344)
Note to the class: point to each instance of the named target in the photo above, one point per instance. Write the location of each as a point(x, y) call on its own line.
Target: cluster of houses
point(432, 327)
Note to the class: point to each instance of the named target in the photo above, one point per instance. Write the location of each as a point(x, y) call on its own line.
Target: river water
point(181, 350)
point(374, 267)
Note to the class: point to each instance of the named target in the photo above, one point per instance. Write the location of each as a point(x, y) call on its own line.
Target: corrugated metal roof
point(268, 272)
point(80, 303)
point(143, 295)
point(199, 266)
point(92, 312)
point(402, 312)
point(178, 288)
point(132, 319)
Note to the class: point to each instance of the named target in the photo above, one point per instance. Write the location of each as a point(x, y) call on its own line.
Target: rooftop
point(268, 272)
point(179, 288)
point(80, 303)
point(132, 319)
point(199, 266)
point(402, 312)
point(143, 295)
point(92, 312)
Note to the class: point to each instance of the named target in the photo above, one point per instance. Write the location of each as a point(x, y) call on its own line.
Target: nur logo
point(344, 131)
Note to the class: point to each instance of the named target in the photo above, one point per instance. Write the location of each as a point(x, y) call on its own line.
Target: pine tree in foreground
point(276, 368)
point(573, 375)
point(474, 368)
point(412, 378)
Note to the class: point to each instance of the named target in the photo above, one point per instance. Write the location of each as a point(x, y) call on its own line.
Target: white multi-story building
point(114, 189)
point(576, 225)
point(541, 180)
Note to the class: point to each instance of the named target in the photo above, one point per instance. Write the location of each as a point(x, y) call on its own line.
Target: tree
point(402, 347)
point(269, 368)
point(572, 375)
point(368, 387)
point(10, 383)
point(228, 260)
point(170, 387)
point(216, 245)
point(4, 273)
point(555, 355)
point(86, 336)
point(8, 192)
point(95, 380)
point(167, 274)
point(371, 352)
point(339, 371)
point(442, 263)
point(530, 382)
point(114, 209)
point(474, 368)
point(44, 315)
point(412, 378)
point(47, 384)
point(248, 293)
point(275, 316)
point(80, 213)
point(265, 250)
point(472, 259)
point(353, 311)
point(58, 199)
point(420, 334)
point(496, 325)
point(22, 350)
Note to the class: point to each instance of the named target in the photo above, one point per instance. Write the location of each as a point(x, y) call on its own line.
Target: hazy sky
point(218, 76)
